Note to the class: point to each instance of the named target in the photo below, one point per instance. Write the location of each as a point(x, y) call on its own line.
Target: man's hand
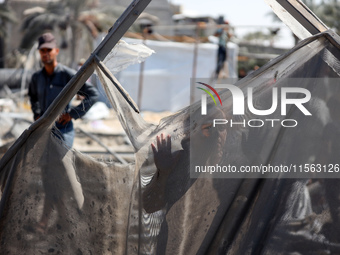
point(154, 198)
point(64, 118)
point(164, 159)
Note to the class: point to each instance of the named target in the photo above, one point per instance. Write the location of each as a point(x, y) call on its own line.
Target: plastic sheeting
point(124, 55)
point(55, 200)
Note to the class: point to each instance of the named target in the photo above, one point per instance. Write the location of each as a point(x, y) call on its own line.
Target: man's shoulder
point(64, 68)
point(36, 74)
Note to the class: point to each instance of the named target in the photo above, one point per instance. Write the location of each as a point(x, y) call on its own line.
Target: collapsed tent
point(102, 208)
point(56, 200)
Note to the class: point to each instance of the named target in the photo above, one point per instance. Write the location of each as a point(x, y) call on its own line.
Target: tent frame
point(298, 17)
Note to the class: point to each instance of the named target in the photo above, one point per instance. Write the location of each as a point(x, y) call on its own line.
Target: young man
point(222, 54)
point(47, 83)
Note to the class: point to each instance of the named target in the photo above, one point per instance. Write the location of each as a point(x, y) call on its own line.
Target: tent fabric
point(157, 205)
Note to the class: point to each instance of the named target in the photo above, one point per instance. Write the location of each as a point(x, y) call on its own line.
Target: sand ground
point(111, 134)
point(100, 138)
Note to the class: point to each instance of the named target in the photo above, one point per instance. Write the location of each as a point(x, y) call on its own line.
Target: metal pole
point(194, 65)
point(95, 138)
point(141, 77)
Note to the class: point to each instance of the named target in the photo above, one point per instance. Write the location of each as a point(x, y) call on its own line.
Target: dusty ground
point(111, 134)
point(101, 138)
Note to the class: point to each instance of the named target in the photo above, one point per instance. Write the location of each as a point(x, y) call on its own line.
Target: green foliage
point(64, 14)
point(260, 37)
point(6, 15)
point(257, 36)
point(329, 13)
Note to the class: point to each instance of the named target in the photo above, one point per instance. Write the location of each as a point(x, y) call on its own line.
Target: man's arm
point(154, 197)
point(33, 95)
point(91, 95)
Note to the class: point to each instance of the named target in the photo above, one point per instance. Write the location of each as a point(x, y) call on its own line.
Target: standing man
point(47, 83)
point(223, 37)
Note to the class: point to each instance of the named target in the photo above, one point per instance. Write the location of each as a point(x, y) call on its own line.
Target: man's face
point(48, 56)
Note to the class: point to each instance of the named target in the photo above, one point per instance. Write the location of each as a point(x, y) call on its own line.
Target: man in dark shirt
point(47, 83)
point(222, 53)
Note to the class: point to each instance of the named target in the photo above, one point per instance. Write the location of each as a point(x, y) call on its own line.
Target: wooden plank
point(298, 17)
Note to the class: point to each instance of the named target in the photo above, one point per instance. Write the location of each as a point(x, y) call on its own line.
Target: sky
point(244, 15)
